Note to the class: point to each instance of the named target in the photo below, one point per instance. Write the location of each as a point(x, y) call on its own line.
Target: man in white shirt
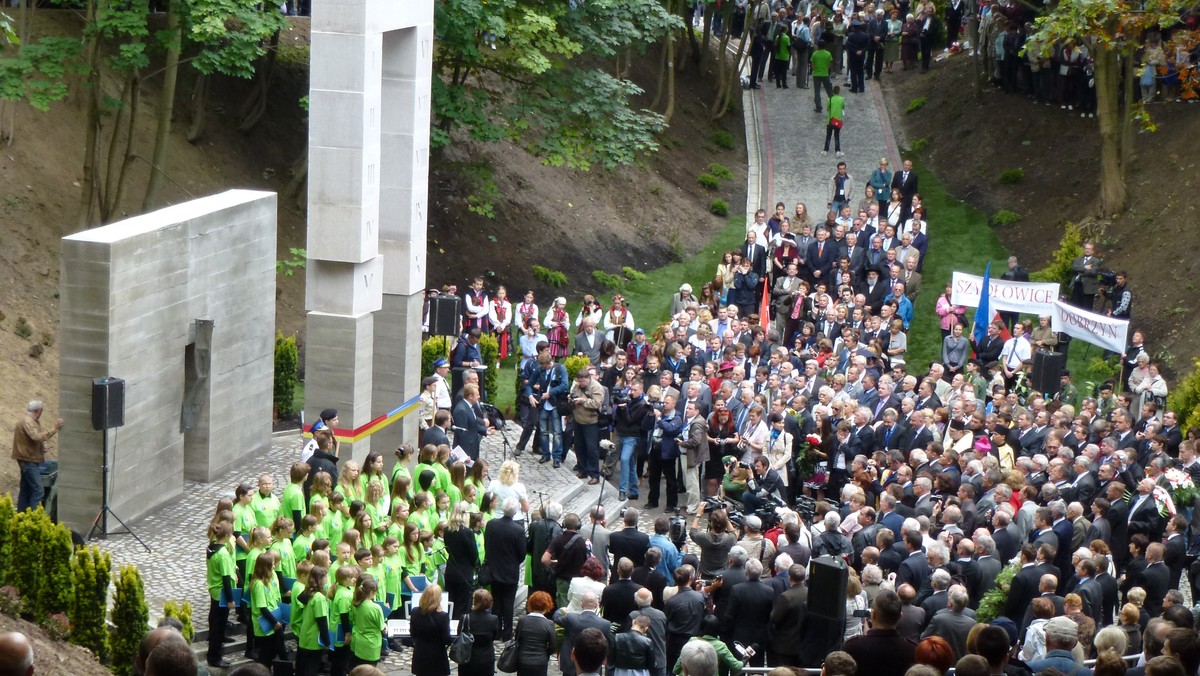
point(1015, 351)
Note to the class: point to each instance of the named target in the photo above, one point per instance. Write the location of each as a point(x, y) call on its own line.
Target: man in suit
point(919, 436)
point(1084, 484)
point(923, 490)
point(906, 181)
point(437, 435)
point(873, 288)
point(618, 598)
point(952, 623)
point(981, 577)
point(1143, 513)
point(1007, 544)
point(629, 542)
point(1086, 280)
point(988, 349)
point(748, 611)
point(939, 580)
point(1156, 579)
point(1047, 589)
point(882, 651)
point(504, 540)
point(684, 612)
point(754, 251)
point(856, 253)
point(470, 424)
point(786, 293)
point(1110, 590)
point(788, 623)
point(574, 623)
point(821, 256)
point(1089, 590)
point(915, 569)
point(1175, 546)
point(588, 340)
point(1063, 531)
point(1024, 586)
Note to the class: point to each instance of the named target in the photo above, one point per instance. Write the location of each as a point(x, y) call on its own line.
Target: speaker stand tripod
point(100, 523)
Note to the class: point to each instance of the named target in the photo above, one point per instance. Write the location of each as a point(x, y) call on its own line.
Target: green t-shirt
point(820, 61)
point(401, 470)
point(444, 481)
point(243, 523)
point(287, 560)
point(309, 631)
point(416, 478)
point(297, 608)
point(783, 47)
point(262, 596)
point(266, 510)
point(220, 566)
point(314, 499)
point(393, 569)
point(293, 501)
point(367, 624)
point(333, 527)
point(301, 546)
point(837, 107)
point(251, 559)
point(343, 598)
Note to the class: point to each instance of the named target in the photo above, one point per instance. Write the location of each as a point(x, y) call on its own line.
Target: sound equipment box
point(108, 403)
point(827, 581)
point(444, 315)
point(1047, 372)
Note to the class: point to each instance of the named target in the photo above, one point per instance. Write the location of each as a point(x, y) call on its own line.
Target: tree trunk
point(256, 105)
point(662, 74)
point(706, 43)
point(89, 183)
point(199, 108)
point(296, 189)
point(731, 81)
point(166, 108)
point(687, 27)
point(670, 110)
point(1128, 133)
point(1108, 108)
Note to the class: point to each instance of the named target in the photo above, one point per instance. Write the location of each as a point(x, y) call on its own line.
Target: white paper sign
point(1031, 297)
point(1090, 327)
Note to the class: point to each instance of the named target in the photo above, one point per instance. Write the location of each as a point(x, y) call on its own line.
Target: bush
point(919, 145)
point(574, 363)
point(915, 105)
point(991, 605)
point(22, 328)
point(48, 339)
point(431, 350)
point(708, 181)
point(718, 208)
point(287, 357)
point(608, 280)
point(11, 603)
point(1006, 217)
point(489, 350)
point(7, 511)
point(1012, 176)
point(632, 275)
point(55, 589)
point(720, 171)
point(24, 571)
point(130, 618)
point(1184, 398)
point(36, 350)
point(722, 139)
point(182, 611)
point(90, 569)
point(552, 278)
point(57, 627)
point(1070, 247)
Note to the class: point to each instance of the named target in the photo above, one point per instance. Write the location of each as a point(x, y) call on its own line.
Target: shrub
point(431, 350)
point(1006, 217)
point(1070, 247)
point(130, 618)
point(722, 139)
point(1184, 398)
point(919, 145)
point(36, 350)
point(489, 350)
point(607, 280)
point(708, 181)
point(22, 328)
point(57, 627)
point(552, 278)
point(915, 105)
point(719, 208)
point(90, 569)
point(991, 605)
point(287, 357)
point(632, 275)
point(720, 171)
point(1012, 176)
point(48, 339)
point(24, 571)
point(7, 511)
point(574, 363)
point(182, 611)
point(55, 589)
point(11, 603)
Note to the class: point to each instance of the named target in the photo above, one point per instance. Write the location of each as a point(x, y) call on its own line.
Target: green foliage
point(708, 181)
point(1006, 217)
point(48, 339)
point(55, 588)
point(549, 277)
point(182, 611)
point(11, 603)
point(36, 72)
point(90, 570)
point(574, 364)
point(229, 36)
point(718, 208)
point(1070, 247)
point(720, 171)
point(489, 350)
point(56, 626)
point(915, 105)
point(608, 280)
point(632, 275)
point(918, 146)
point(130, 618)
point(1104, 369)
point(1184, 398)
point(288, 266)
point(287, 358)
point(24, 572)
point(722, 139)
point(431, 350)
point(532, 74)
point(991, 605)
point(7, 511)
point(484, 191)
point(1012, 176)
point(22, 328)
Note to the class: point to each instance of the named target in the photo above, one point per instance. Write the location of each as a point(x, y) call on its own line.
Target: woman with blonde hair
point(348, 484)
point(463, 558)
point(430, 629)
point(507, 485)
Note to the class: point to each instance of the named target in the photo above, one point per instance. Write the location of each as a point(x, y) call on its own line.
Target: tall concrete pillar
point(368, 188)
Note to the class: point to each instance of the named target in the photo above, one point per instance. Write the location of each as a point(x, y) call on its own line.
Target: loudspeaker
point(827, 581)
point(444, 315)
point(108, 403)
point(1047, 372)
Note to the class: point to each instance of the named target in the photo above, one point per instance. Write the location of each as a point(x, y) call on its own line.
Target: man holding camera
point(766, 484)
point(587, 396)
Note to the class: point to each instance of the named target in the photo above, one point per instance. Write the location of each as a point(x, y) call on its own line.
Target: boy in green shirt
point(821, 59)
point(834, 121)
point(293, 505)
point(264, 503)
point(222, 579)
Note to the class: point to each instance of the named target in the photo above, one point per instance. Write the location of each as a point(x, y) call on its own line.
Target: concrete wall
point(130, 295)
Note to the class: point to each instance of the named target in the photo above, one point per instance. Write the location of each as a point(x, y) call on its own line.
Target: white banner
point(1029, 297)
point(1090, 327)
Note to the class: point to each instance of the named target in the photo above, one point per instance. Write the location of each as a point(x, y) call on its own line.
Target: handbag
point(464, 645)
point(485, 577)
point(835, 123)
point(507, 662)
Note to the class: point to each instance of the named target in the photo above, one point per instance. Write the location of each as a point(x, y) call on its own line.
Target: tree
point(55, 588)
point(90, 572)
point(130, 619)
point(526, 71)
point(31, 71)
point(1112, 30)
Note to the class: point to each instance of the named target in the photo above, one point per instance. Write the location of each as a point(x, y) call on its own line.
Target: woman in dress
point(868, 199)
point(430, 629)
point(618, 321)
point(526, 310)
point(558, 328)
point(485, 627)
point(910, 39)
point(500, 315)
point(536, 636)
point(891, 42)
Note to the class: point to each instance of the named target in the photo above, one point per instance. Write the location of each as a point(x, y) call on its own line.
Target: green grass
point(649, 298)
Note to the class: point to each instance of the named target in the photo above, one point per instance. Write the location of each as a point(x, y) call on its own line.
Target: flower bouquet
point(1183, 489)
point(810, 467)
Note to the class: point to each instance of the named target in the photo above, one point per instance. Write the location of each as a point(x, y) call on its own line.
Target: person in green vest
point(222, 579)
point(834, 121)
point(366, 623)
point(820, 60)
point(312, 627)
point(783, 56)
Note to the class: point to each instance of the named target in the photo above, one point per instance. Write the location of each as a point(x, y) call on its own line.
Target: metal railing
point(816, 671)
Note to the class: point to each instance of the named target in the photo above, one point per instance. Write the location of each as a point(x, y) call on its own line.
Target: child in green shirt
point(307, 534)
point(282, 547)
point(820, 60)
point(293, 505)
point(264, 600)
point(339, 618)
point(303, 570)
point(367, 622)
point(312, 627)
point(833, 121)
point(260, 541)
point(222, 579)
point(243, 523)
point(264, 503)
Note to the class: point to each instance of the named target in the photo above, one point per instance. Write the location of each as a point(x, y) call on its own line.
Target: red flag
point(764, 307)
point(1005, 334)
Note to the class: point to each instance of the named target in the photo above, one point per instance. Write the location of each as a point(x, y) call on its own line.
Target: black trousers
point(308, 662)
point(660, 469)
point(339, 661)
point(460, 596)
point(504, 596)
point(674, 647)
point(217, 618)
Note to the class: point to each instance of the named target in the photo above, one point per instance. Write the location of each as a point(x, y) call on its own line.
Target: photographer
point(765, 484)
point(714, 543)
point(664, 452)
point(840, 459)
point(587, 397)
point(631, 411)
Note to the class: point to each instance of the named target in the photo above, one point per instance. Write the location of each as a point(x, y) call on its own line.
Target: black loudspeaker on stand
point(827, 587)
point(444, 315)
point(108, 412)
point(1047, 372)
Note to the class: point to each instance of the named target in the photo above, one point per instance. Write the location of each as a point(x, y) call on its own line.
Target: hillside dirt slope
point(971, 138)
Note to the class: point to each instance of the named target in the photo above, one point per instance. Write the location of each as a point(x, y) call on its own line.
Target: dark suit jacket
point(907, 188)
point(935, 602)
point(919, 439)
point(788, 633)
point(617, 600)
point(981, 578)
point(914, 570)
point(1021, 592)
point(954, 627)
point(536, 639)
point(1175, 555)
point(882, 652)
point(1156, 580)
point(747, 614)
point(1146, 520)
point(1092, 595)
point(823, 262)
point(1109, 596)
point(988, 350)
point(470, 428)
point(573, 624)
point(504, 541)
point(436, 436)
point(629, 543)
point(1062, 556)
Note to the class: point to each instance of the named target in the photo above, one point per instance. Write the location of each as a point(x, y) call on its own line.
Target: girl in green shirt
point(373, 471)
point(282, 546)
point(367, 623)
point(443, 507)
point(414, 560)
point(393, 565)
point(293, 505)
point(424, 514)
point(395, 525)
point(348, 484)
point(312, 626)
point(435, 553)
point(243, 523)
point(337, 521)
point(260, 541)
point(365, 526)
point(441, 468)
point(404, 455)
point(321, 489)
point(339, 619)
point(477, 521)
point(377, 506)
point(401, 490)
point(303, 569)
point(264, 600)
point(304, 540)
point(478, 477)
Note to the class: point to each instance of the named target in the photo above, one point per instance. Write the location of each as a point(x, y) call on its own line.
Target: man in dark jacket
point(542, 532)
point(857, 44)
point(618, 598)
point(882, 651)
point(628, 418)
point(629, 542)
point(504, 541)
point(791, 642)
point(748, 611)
point(574, 623)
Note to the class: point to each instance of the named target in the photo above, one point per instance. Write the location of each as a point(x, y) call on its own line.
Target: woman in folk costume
point(590, 310)
point(500, 315)
point(618, 322)
point(526, 310)
point(558, 328)
point(476, 305)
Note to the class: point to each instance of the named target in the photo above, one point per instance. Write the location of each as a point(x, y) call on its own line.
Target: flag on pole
point(764, 307)
point(983, 314)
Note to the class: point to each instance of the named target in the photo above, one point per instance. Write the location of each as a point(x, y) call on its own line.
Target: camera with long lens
point(712, 503)
point(620, 397)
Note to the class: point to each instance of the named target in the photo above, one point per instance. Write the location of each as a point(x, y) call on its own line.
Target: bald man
point(16, 655)
point(574, 623)
point(151, 641)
